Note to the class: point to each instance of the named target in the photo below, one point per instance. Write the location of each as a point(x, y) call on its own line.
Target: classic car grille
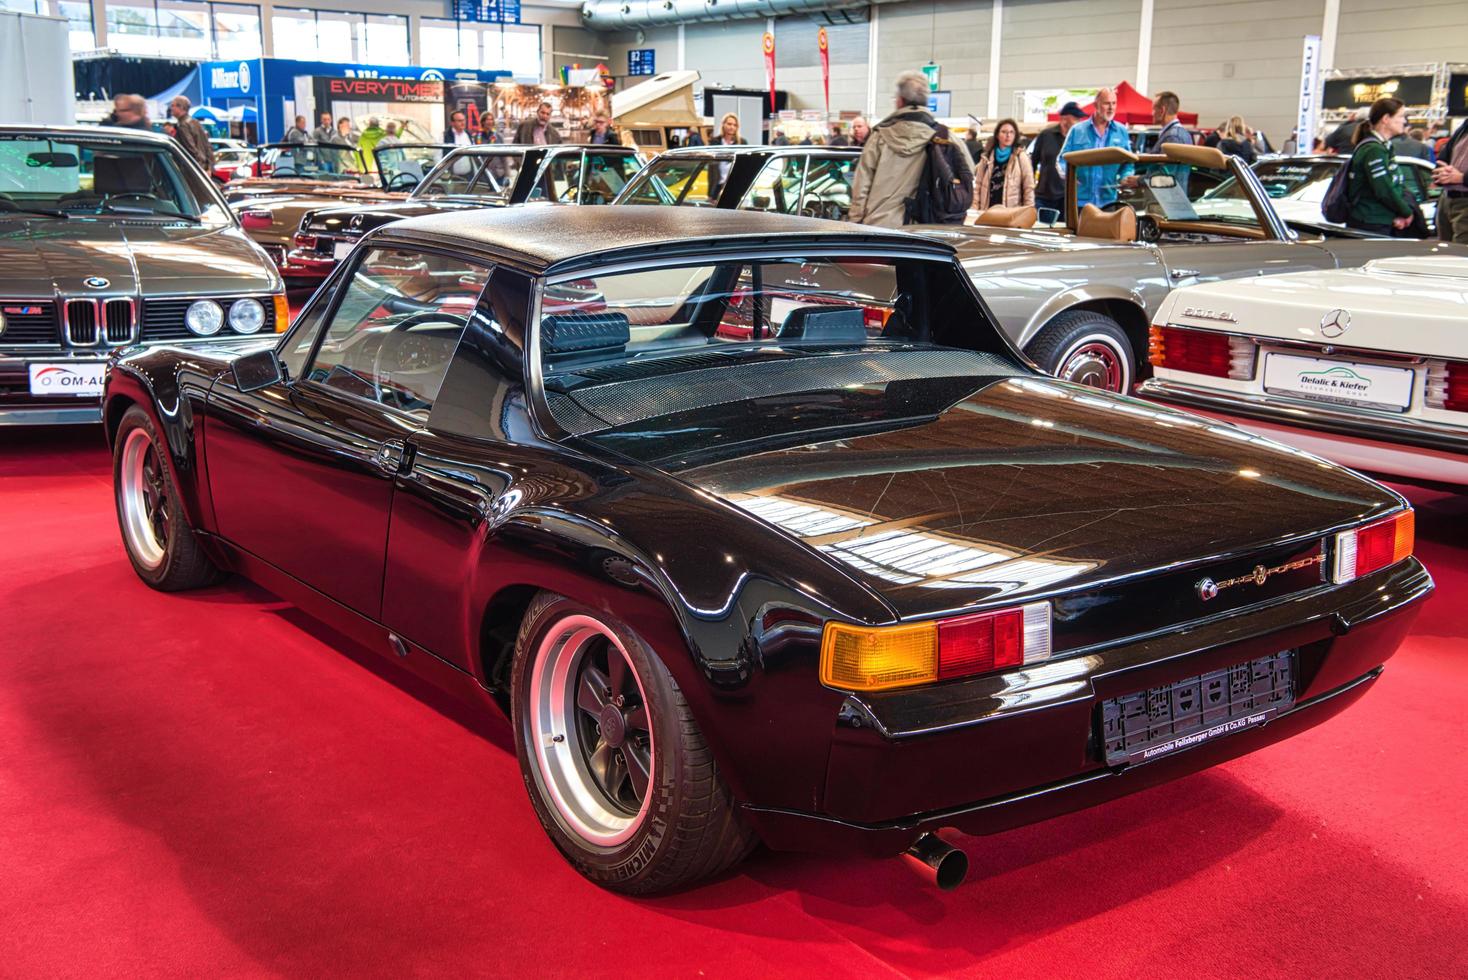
point(90, 321)
point(29, 324)
point(81, 322)
point(117, 321)
point(163, 319)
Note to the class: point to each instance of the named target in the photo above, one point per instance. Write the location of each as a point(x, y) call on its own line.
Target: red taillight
point(1367, 549)
point(877, 658)
point(1447, 385)
point(971, 644)
point(875, 318)
point(1221, 355)
point(255, 219)
point(307, 242)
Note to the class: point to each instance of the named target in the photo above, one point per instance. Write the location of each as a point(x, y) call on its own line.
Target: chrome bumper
point(1399, 430)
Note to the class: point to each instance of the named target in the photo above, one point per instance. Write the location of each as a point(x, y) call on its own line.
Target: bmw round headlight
point(204, 318)
point(246, 316)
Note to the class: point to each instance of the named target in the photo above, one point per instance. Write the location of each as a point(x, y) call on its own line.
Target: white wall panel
point(1239, 58)
point(1067, 44)
point(1395, 32)
point(952, 33)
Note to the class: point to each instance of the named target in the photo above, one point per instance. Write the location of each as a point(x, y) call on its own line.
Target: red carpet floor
point(214, 785)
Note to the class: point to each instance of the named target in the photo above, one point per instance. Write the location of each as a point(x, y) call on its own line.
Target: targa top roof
point(543, 236)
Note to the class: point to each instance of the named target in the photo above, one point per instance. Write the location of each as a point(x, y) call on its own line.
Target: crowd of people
point(896, 162)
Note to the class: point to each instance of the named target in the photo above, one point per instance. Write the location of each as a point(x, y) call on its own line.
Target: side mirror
point(258, 370)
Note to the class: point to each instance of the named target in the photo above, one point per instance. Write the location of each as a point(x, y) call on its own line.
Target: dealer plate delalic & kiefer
point(1159, 721)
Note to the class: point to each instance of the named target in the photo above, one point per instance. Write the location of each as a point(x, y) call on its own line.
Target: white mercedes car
point(1367, 367)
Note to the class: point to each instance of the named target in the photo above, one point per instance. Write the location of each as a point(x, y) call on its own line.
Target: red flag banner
point(769, 44)
point(825, 45)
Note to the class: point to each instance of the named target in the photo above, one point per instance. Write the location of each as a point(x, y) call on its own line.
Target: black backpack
point(945, 189)
point(1336, 205)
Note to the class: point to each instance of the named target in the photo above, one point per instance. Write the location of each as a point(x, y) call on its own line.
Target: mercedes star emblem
point(1334, 323)
point(96, 282)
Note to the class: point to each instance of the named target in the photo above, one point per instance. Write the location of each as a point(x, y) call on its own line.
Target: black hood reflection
point(946, 492)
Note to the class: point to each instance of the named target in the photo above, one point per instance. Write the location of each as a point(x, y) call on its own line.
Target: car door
point(476, 440)
point(301, 472)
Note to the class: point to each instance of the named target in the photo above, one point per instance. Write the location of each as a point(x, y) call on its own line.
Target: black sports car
point(759, 529)
point(472, 177)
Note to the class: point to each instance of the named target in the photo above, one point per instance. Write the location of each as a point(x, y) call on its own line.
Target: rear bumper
point(1017, 764)
point(1397, 445)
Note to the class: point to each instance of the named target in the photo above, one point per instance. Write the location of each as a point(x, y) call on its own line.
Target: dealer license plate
point(1159, 721)
point(1341, 382)
point(341, 250)
point(83, 379)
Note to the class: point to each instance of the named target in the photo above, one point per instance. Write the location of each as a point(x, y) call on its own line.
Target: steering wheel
point(1148, 230)
point(402, 179)
point(399, 359)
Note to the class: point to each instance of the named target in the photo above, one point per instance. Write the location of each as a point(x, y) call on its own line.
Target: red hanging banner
point(769, 45)
point(825, 45)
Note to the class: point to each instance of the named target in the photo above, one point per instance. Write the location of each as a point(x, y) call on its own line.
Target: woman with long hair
point(1005, 174)
point(1236, 141)
point(1374, 190)
point(728, 136)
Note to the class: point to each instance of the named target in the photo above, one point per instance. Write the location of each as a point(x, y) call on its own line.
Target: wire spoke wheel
point(591, 731)
point(143, 500)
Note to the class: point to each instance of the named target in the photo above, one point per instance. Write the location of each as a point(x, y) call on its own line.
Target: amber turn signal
point(282, 313)
point(879, 658)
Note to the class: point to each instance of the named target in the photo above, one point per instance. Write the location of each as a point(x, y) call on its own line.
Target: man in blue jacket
point(1098, 185)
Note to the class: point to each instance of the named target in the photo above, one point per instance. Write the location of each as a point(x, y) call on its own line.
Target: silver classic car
point(1079, 299)
point(111, 237)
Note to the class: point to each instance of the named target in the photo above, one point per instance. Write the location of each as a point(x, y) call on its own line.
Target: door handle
point(390, 457)
point(1182, 273)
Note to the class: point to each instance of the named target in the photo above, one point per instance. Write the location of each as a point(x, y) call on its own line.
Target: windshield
point(685, 181)
point(1174, 194)
point(310, 161)
point(1303, 180)
point(102, 178)
point(474, 175)
point(403, 167)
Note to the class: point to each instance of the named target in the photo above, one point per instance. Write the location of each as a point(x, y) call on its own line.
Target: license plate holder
point(1339, 382)
point(341, 250)
point(1148, 725)
point(79, 379)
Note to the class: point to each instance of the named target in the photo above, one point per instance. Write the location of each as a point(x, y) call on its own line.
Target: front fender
point(170, 384)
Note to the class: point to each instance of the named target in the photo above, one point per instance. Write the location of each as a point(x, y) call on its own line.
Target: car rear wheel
point(1087, 348)
point(615, 766)
point(159, 542)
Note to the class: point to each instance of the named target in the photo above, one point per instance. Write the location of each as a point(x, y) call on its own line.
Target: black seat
point(120, 175)
point(584, 335)
point(825, 325)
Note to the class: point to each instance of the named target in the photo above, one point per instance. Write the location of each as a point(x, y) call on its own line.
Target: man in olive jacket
point(892, 160)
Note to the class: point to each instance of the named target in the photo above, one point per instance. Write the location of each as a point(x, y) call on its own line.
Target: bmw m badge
point(96, 282)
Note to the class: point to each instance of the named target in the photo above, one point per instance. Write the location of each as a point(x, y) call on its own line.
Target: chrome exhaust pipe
point(938, 861)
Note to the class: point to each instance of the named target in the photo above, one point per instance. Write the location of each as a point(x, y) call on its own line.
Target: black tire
point(1088, 348)
point(178, 562)
point(687, 828)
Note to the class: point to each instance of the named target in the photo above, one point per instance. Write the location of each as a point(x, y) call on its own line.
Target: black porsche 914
point(759, 529)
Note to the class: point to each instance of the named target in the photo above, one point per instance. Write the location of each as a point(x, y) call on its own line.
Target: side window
point(827, 191)
point(303, 337)
point(394, 331)
point(606, 175)
point(560, 180)
point(685, 182)
point(776, 187)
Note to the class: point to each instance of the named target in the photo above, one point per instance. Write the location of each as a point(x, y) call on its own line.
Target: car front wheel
point(1087, 348)
point(614, 763)
point(159, 542)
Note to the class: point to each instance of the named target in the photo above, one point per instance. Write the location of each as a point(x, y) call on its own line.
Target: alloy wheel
point(143, 498)
point(591, 731)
